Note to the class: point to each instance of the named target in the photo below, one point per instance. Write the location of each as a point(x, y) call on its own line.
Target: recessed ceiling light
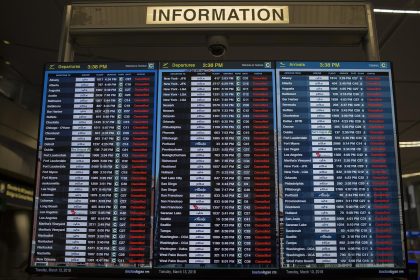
point(390, 11)
point(409, 175)
point(409, 144)
point(6, 42)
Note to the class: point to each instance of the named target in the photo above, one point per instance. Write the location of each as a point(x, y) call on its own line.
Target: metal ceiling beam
point(66, 52)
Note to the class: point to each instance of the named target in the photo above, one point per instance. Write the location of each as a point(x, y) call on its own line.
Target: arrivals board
point(251, 168)
point(338, 167)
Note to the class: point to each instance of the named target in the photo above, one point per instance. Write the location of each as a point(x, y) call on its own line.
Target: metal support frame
point(369, 41)
point(66, 51)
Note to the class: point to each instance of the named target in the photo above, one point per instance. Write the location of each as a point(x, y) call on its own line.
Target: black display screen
point(200, 168)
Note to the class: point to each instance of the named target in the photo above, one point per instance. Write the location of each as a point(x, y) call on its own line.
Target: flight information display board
point(338, 167)
point(216, 184)
point(200, 168)
point(95, 167)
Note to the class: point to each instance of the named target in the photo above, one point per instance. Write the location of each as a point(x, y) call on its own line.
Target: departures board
point(218, 169)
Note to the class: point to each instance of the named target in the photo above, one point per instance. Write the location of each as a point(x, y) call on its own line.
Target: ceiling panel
point(407, 101)
point(411, 133)
point(410, 160)
point(403, 49)
point(405, 125)
point(32, 23)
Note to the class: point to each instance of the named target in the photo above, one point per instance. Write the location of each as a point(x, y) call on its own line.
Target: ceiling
point(33, 29)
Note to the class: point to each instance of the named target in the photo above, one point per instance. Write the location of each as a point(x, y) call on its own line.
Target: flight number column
point(103, 164)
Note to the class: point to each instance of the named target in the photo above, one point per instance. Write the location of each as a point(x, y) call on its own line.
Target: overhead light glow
point(6, 42)
point(7, 62)
point(410, 144)
point(409, 175)
point(391, 11)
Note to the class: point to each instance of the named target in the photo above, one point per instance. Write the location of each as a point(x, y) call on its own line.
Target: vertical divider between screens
point(153, 181)
point(278, 154)
point(276, 163)
point(156, 153)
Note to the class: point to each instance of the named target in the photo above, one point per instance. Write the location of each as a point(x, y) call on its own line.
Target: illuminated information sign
point(201, 168)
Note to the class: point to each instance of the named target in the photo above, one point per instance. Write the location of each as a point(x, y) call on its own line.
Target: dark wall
point(15, 229)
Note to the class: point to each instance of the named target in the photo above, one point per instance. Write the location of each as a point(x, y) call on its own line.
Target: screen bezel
point(224, 273)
